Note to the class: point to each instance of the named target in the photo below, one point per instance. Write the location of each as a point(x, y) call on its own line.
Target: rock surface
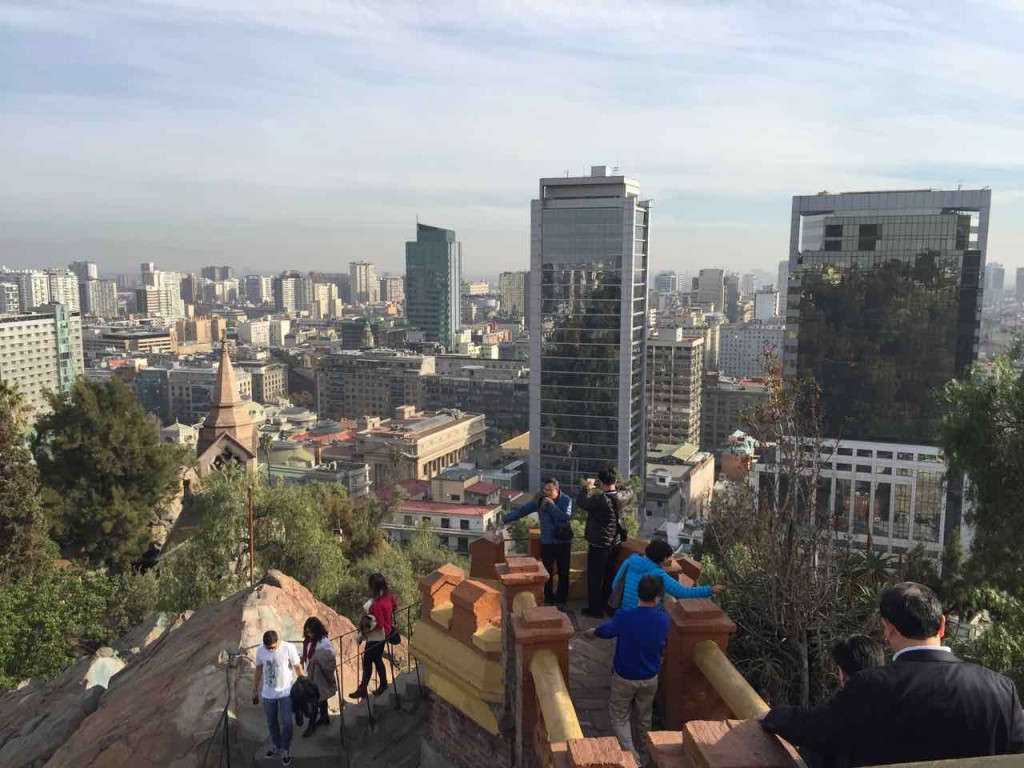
point(165, 707)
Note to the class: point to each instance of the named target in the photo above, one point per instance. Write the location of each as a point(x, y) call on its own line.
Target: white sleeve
point(259, 656)
point(293, 655)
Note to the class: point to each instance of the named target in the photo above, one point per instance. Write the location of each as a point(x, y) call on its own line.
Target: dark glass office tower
point(588, 325)
point(433, 284)
point(885, 305)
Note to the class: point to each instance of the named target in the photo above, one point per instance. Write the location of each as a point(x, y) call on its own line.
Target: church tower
point(227, 434)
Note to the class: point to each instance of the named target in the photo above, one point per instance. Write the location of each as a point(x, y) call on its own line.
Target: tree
point(982, 435)
point(104, 472)
point(23, 542)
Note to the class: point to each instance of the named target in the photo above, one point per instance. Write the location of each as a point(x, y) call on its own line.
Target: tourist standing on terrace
point(656, 558)
point(604, 532)
point(926, 705)
point(554, 510)
point(641, 633)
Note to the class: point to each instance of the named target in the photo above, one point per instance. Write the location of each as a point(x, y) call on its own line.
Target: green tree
point(24, 546)
point(982, 435)
point(104, 472)
point(1001, 646)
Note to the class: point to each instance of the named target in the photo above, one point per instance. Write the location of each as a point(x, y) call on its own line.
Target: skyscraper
point(40, 352)
point(711, 289)
point(995, 277)
point(675, 365)
point(364, 283)
point(433, 280)
point(513, 287)
point(85, 270)
point(286, 288)
point(588, 307)
point(884, 302)
point(1020, 285)
point(666, 281)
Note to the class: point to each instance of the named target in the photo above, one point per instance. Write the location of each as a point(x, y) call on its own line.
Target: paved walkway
point(590, 672)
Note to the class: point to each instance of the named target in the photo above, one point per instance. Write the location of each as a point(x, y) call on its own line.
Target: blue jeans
point(279, 708)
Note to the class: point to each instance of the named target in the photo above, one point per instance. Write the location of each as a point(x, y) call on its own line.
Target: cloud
point(322, 128)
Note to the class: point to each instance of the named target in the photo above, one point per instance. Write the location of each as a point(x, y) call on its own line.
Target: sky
point(311, 133)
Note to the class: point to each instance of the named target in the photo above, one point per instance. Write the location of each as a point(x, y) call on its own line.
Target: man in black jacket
point(604, 514)
point(926, 705)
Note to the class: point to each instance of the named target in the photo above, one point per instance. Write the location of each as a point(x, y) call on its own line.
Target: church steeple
point(228, 414)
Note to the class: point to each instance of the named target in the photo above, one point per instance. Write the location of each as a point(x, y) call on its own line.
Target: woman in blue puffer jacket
point(654, 561)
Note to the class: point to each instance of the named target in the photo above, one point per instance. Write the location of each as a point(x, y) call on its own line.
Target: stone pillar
point(534, 629)
point(533, 545)
point(520, 574)
point(687, 695)
point(731, 743)
point(484, 554)
point(436, 588)
point(604, 752)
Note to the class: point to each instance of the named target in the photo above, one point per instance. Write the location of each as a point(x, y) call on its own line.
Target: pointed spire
point(225, 391)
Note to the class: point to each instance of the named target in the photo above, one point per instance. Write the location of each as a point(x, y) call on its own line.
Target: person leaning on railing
point(926, 705)
point(656, 558)
point(554, 512)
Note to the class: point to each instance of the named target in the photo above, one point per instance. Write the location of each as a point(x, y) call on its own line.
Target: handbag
point(615, 601)
point(394, 636)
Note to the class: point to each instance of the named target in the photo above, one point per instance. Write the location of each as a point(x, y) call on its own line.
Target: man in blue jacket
point(641, 633)
point(554, 510)
point(653, 562)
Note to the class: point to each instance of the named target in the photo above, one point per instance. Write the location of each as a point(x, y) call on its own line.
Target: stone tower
point(227, 434)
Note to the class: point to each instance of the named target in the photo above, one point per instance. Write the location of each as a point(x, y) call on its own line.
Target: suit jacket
point(926, 705)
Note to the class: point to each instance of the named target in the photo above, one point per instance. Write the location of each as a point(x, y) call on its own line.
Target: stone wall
point(452, 739)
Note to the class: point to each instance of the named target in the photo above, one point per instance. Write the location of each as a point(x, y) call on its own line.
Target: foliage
point(520, 531)
point(982, 435)
point(1001, 646)
point(58, 613)
point(24, 546)
point(426, 553)
point(104, 472)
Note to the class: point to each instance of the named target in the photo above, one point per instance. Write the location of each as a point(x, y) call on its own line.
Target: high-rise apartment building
point(725, 402)
point(675, 366)
point(364, 284)
point(884, 304)
point(254, 333)
point(711, 290)
point(100, 298)
point(995, 278)
point(732, 298)
point(433, 280)
point(41, 352)
point(286, 290)
point(85, 270)
point(392, 289)
point(588, 259)
point(747, 282)
point(514, 290)
point(9, 302)
point(742, 348)
point(33, 287)
point(259, 289)
point(352, 385)
point(63, 288)
point(666, 281)
point(766, 305)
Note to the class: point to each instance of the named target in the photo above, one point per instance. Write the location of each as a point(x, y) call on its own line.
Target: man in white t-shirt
point(277, 668)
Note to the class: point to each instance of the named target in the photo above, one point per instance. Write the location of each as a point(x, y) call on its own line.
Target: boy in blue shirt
point(641, 634)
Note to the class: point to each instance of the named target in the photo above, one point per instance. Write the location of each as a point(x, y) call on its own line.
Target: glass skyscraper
point(433, 284)
point(885, 305)
point(588, 324)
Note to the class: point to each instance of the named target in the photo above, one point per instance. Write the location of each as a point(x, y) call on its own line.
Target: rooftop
point(439, 507)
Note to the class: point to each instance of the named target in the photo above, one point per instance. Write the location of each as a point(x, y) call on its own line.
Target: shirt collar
point(945, 648)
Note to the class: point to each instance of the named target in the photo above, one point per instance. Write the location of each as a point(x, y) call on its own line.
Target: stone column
point(687, 695)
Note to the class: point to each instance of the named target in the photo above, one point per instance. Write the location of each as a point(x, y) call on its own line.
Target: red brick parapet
point(686, 693)
point(475, 607)
point(484, 554)
point(604, 752)
point(521, 574)
point(719, 744)
point(436, 588)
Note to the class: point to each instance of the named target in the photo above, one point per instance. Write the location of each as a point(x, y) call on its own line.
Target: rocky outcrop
point(169, 705)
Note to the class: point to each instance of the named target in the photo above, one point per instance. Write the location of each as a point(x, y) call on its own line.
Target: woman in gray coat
point(319, 663)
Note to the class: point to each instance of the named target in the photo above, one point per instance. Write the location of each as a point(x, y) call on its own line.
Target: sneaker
point(286, 759)
point(272, 751)
point(380, 689)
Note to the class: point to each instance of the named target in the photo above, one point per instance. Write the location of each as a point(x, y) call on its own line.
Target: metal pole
point(251, 542)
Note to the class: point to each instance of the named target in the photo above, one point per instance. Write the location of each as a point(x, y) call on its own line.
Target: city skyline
point(191, 134)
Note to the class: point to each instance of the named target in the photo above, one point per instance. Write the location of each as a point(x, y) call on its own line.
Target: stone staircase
point(387, 738)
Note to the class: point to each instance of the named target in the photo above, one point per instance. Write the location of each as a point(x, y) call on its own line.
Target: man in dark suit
point(926, 705)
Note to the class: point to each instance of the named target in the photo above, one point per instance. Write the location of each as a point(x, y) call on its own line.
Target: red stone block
point(733, 744)
point(436, 588)
point(474, 605)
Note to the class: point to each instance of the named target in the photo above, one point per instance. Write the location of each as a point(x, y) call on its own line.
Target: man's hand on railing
point(590, 634)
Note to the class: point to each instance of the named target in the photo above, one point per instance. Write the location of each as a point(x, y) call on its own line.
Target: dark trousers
point(600, 572)
point(373, 656)
point(556, 555)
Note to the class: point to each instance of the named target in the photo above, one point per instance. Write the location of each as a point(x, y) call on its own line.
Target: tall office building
point(40, 352)
point(364, 284)
point(305, 293)
point(63, 288)
point(513, 288)
point(218, 273)
point(732, 298)
point(675, 366)
point(85, 270)
point(392, 289)
point(258, 289)
point(100, 298)
point(588, 297)
point(666, 281)
point(433, 280)
point(711, 289)
point(9, 303)
point(995, 278)
point(286, 288)
point(747, 283)
point(742, 348)
point(783, 286)
point(1020, 285)
point(766, 305)
point(884, 310)
point(33, 287)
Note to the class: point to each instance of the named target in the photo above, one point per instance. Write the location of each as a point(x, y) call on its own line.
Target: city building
point(588, 254)
point(478, 288)
point(747, 282)
point(666, 281)
point(99, 298)
point(392, 289)
point(675, 366)
point(783, 285)
point(99, 342)
point(254, 333)
point(433, 279)
point(192, 391)
point(724, 402)
point(85, 270)
point(679, 486)
point(279, 330)
point(354, 384)
point(10, 304)
point(766, 305)
point(1020, 285)
point(258, 289)
point(732, 298)
point(742, 348)
point(884, 305)
point(218, 273)
point(269, 380)
point(33, 288)
point(513, 287)
point(500, 394)
point(364, 284)
point(191, 289)
point(417, 445)
point(711, 290)
point(41, 352)
point(152, 387)
point(995, 278)
point(228, 435)
point(286, 289)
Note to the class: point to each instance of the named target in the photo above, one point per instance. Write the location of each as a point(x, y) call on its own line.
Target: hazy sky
point(309, 133)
